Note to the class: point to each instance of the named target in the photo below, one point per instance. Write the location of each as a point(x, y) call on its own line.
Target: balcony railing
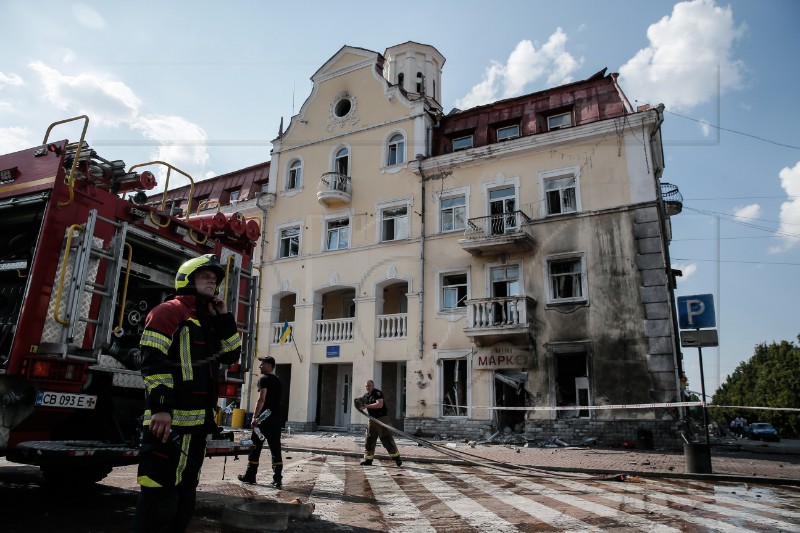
point(393, 326)
point(334, 188)
point(334, 330)
point(673, 199)
point(499, 317)
point(493, 234)
point(277, 331)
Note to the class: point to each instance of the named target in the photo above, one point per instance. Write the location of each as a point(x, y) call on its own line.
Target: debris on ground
point(625, 478)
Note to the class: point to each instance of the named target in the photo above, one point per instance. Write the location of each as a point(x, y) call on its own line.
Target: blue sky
point(204, 85)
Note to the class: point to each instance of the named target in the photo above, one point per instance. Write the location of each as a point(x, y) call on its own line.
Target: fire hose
point(472, 459)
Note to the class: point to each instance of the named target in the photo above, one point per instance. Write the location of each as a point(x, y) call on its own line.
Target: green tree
point(770, 378)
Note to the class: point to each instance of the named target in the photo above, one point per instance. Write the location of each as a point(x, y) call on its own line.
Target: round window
point(343, 107)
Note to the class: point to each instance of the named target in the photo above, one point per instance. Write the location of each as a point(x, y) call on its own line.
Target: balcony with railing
point(276, 332)
point(496, 319)
point(334, 189)
point(334, 330)
point(497, 234)
point(673, 199)
point(392, 327)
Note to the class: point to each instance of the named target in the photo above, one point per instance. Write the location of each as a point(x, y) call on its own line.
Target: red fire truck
point(83, 259)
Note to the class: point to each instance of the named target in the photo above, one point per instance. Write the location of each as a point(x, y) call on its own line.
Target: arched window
point(400, 78)
point(294, 178)
point(342, 162)
point(396, 150)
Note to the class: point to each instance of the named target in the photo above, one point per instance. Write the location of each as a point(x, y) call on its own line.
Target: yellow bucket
point(218, 417)
point(237, 420)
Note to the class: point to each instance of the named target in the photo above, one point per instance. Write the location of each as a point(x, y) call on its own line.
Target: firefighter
point(184, 341)
point(267, 424)
point(376, 408)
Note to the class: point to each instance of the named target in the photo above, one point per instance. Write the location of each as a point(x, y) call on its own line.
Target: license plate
point(65, 399)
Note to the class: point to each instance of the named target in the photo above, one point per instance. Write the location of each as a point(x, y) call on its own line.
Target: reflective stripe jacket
point(181, 354)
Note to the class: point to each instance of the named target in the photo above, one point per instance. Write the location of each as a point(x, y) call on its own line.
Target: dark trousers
point(168, 475)
point(375, 432)
point(272, 432)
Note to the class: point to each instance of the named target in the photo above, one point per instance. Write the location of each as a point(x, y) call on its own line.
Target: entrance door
point(344, 394)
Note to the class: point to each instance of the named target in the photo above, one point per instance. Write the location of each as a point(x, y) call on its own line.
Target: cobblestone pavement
point(752, 488)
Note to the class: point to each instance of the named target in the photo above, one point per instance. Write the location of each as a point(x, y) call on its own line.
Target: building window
point(343, 107)
point(567, 279)
point(394, 223)
point(454, 387)
point(560, 193)
point(557, 122)
point(502, 209)
point(294, 179)
point(289, 242)
point(454, 291)
point(462, 143)
point(396, 150)
point(338, 234)
point(342, 162)
point(233, 197)
point(572, 381)
point(507, 132)
point(453, 213)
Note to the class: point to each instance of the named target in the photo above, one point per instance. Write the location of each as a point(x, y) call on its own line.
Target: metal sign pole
point(705, 409)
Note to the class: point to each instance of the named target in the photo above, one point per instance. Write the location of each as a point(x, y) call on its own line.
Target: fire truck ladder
point(88, 255)
point(247, 298)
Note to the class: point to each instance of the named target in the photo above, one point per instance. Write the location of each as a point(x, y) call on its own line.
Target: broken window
point(572, 383)
point(567, 279)
point(454, 387)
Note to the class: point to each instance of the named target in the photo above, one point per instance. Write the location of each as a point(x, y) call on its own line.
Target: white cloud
point(10, 79)
point(104, 100)
point(705, 127)
point(790, 210)
point(183, 145)
point(15, 139)
point(747, 213)
point(688, 270)
point(86, 16)
point(524, 66)
point(687, 51)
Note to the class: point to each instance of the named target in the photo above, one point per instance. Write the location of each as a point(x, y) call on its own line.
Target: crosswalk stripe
point(738, 501)
point(396, 507)
point(598, 509)
point(330, 481)
point(700, 502)
point(615, 494)
point(471, 511)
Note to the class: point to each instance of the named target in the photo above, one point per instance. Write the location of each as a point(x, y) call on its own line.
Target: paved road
point(419, 497)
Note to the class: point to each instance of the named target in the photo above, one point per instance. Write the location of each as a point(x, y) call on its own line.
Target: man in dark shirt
point(269, 398)
point(375, 405)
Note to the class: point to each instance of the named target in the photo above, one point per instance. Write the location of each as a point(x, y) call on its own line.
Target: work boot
point(250, 475)
point(277, 483)
point(397, 461)
point(366, 462)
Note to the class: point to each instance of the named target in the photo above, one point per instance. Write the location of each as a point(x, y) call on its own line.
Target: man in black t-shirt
point(269, 398)
point(376, 407)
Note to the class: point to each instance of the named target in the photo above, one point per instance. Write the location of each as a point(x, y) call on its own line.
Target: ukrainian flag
point(286, 333)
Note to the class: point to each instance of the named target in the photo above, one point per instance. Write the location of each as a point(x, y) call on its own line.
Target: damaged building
point(499, 268)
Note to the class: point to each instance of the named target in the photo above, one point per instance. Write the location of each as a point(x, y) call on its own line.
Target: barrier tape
point(617, 406)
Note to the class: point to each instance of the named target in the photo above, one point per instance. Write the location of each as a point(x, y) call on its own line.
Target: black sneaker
point(366, 462)
point(398, 462)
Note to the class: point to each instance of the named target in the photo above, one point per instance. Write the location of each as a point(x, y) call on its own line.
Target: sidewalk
point(731, 460)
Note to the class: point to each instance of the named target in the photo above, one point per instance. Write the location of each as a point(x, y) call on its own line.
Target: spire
point(280, 129)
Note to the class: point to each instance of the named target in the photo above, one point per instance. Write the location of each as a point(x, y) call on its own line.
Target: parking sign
point(696, 312)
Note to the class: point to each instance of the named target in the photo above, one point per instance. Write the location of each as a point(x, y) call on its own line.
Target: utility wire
point(733, 261)
point(705, 123)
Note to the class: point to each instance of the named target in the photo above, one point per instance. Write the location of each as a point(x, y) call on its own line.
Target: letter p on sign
point(696, 312)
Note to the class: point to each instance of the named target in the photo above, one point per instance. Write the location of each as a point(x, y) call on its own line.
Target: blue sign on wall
point(696, 312)
point(331, 351)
